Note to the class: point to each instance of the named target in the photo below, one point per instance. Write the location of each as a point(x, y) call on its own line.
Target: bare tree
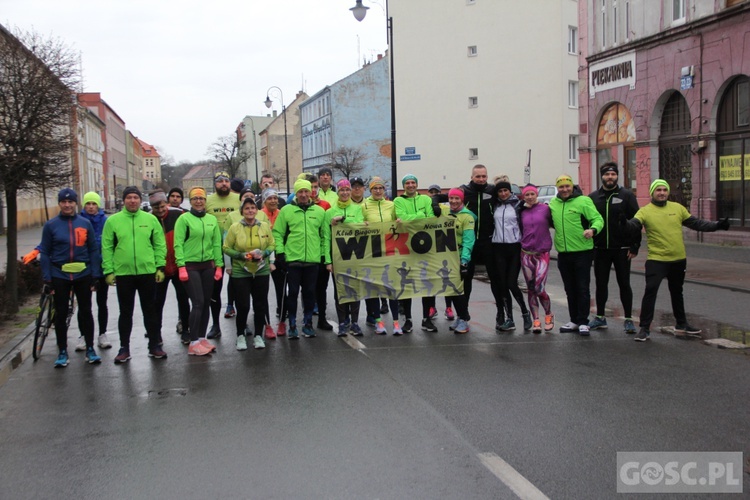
point(278, 173)
point(226, 151)
point(37, 96)
point(348, 161)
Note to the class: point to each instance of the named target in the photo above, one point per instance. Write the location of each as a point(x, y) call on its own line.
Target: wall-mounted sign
point(730, 168)
point(612, 73)
point(410, 151)
point(686, 82)
point(410, 157)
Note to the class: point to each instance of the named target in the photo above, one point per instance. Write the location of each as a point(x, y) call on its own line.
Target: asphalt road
point(426, 415)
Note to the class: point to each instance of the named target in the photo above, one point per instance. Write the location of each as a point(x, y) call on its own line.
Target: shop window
point(733, 163)
point(616, 126)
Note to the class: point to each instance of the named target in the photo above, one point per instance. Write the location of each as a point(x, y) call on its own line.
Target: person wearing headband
point(134, 253)
point(199, 260)
point(614, 246)
point(576, 222)
point(663, 221)
point(414, 206)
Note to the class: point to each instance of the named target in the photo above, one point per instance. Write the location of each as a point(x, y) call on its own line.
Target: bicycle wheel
point(71, 308)
point(43, 324)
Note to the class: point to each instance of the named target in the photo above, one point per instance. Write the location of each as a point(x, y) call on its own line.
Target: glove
point(182, 274)
point(464, 271)
point(218, 274)
point(110, 279)
point(47, 289)
point(723, 224)
point(280, 261)
point(437, 210)
point(159, 275)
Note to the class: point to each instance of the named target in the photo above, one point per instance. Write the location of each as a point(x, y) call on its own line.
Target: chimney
point(274, 113)
point(380, 56)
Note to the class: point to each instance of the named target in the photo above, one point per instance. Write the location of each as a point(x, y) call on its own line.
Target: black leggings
point(279, 284)
point(503, 269)
point(427, 302)
point(199, 287)
point(216, 299)
point(102, 291)
point(82, 290)
point(603, 260)
point(656, 271)
point(243, 288)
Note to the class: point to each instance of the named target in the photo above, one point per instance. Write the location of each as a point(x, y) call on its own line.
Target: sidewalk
point(27, 240)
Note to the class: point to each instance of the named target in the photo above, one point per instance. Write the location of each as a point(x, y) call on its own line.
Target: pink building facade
point(674, 105)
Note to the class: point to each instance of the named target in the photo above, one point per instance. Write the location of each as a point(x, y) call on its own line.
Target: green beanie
point(92, 197)
point(302, 184)
point(657, 183)
point(409, 177)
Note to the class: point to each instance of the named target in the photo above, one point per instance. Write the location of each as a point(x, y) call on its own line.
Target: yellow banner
point(396, 260)
point(730, 168)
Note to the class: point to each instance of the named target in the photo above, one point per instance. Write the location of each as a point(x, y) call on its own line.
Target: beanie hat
point(656, 184)
point(246, 190)
point(302, 184)
point(67, 194)
point(503, 185)
point(564, 180)
point(609, 167)
point(131, 190)
point(178, 191)
point(343, 183)
point(267, 193)
point(456, 192)
point(529, 188)
point(197, 191)
point(236, 185)
point(409, 177)
point(434, 187)
point(304, 176)
point(92, 197)
point(325, 170)
point(376, 181)
point(248, 201)
point(157, 197)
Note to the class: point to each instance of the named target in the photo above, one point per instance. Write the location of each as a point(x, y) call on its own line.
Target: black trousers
point(348, 311)
point(302, 276)
point(183, 303)
point(427, 302)
point(481, 254)
point(145, 286)
point(656, 271)
point(82, 290)
point(603, 261)
point(503, 268)
point(244, 288)
point(102, 291)
point(216, 300)
point(279, 284)
point(575, 270)
point(321, 291)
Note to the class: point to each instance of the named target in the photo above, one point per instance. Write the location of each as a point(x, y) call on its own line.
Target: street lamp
point(360, 11)
point(255, 151)
point(268, 103)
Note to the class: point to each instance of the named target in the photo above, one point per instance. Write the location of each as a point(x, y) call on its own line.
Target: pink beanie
point(529, 187)
point(456, 192)
point(343, 183)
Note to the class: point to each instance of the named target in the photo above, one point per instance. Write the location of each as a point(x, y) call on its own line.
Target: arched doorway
point(617, 128)
point(675, 162)
point(733, 166)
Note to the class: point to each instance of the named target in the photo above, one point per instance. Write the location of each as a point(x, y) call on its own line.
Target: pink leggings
point(535, 268)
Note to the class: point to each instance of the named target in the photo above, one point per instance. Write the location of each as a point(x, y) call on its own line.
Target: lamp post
point(268, 103)
point(360, 11)
point(255, 151)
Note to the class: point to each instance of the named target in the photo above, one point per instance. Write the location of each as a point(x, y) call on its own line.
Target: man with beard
point(220, 204)
point(613, 245)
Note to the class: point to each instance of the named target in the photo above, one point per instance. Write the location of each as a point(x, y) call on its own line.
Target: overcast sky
point(183, 72)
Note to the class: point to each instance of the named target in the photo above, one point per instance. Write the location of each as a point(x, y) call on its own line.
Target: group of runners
point(260, 238)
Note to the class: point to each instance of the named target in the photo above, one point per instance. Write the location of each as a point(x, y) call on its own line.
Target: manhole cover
point(167, 393)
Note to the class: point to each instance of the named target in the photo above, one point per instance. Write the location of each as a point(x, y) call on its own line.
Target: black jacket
point(478, 199)
point(611, 204)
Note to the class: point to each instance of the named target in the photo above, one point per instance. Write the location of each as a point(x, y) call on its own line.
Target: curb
point(15, 352)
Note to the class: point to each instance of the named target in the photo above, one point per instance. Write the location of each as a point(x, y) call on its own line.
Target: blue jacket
point(97, 222)
point(65, 240)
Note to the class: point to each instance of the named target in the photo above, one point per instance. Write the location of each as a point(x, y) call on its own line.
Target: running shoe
point(569, 327)
point(343, 328)
point(215, 332)
point(453, 325)
point(269, 333)
point(123, 356)
point(307, 331)
point(461, 326)
point(241, 343)
point(449, 314)
point(536, 327)
point(508, 326)
point(432, 314)
point(370, 321)
point(380, 328)
point(293, 333)
point(198, 349)
point(598, 323)
point(527, 322)
point(104, 342)
point(208, 345)
point(258, 342)
point(428, 325)
point(157, 352)
point(62, 359)
point(584, 331)
point(549, 322)
point(642, 335)
point(81, 344)
point(687, 329)
point(629, 326)
point(230, 312)
point(408, 326)
point(281, 330)
point(356, 330)
point(91, 357)
point(397, 329)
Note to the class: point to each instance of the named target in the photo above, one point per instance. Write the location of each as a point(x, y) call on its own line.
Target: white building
point(248, 139)
point(90, 152)
point(484, 81)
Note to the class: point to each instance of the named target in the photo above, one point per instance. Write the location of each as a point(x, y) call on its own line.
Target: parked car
point(146, 206)
point(546, 193)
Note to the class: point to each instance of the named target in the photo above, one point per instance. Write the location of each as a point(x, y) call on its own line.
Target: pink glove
point(182, 272)
point(217, 274)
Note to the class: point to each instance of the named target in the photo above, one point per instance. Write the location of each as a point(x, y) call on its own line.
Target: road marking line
point(511, 477)
point(354, 343)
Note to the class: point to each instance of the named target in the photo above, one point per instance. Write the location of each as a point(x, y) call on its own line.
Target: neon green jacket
point(242, 238)
point(299, 234)
point(570, 218)
point(378, 211)
point(350, 211)
point(465, 229)
point(197, 239)
point(417, 207)
point(133, 243)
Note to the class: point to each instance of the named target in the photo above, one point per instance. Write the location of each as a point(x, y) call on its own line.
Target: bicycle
point(45, 320)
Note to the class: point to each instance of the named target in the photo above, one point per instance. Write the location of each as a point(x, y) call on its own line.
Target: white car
point(546, 193)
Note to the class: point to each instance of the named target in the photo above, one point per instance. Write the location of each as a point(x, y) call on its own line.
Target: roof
point(148, 150)
point(200, 172)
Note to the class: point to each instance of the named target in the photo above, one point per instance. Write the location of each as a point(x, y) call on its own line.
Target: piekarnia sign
point(396, 260)
point(612, 73)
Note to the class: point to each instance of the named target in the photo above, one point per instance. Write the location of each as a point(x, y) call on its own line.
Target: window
point(473, 102)
point(472, 50)
point(614, 21)
point(743, 104)
point(678, 12)
point(572, 148)
point(627, 21)
point(572, 94)
point(473, 153)
point(604, 24)
point(572, 40)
